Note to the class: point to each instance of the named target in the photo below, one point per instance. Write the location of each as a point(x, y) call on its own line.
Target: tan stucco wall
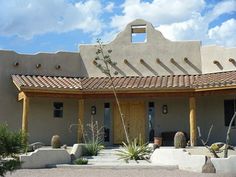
point(42, 124)
point(219, 53)
point(177, 118)
point(10, 108)
point(210, 110)
point(155, 47)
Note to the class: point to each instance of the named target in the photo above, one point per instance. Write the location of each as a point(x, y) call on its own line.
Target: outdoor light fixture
point(164, 109)
point(93, 110)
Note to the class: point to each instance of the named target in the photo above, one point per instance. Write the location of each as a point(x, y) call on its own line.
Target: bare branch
point(228, 136)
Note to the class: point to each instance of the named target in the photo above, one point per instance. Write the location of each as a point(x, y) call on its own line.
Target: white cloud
point(224, 34)
point(192, 29)
point(109, 7)
point(158, 11)
point(32, 17)
point(221, 8)
point(178, 19)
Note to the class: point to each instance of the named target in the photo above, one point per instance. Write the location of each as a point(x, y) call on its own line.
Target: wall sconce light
point(93, 110)
point(164, 109)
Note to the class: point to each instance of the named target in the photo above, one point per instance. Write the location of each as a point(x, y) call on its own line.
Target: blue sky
point(32, 26)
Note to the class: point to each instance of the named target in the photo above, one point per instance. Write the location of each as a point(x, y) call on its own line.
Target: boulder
point(34, 146)
point(208, 167)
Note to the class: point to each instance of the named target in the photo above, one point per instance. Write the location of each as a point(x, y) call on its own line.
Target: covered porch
point(181, 100)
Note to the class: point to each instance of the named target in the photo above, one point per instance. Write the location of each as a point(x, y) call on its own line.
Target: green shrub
point(135, 150)
point(92, 149)
point(214, 147)
point(81, 161)
point(11, 144)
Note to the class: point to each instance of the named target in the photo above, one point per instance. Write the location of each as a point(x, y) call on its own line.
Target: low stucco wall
point(178, 157)
point(225, 165)
point(185, 161)
point(41, 158)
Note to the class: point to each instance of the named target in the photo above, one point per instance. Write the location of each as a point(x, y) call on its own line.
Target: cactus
point(56, 142)
point(180, 140)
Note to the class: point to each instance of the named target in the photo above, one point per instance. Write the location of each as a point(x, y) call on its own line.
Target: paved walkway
point(110, 173)
point(108, 157)
point(107, 165)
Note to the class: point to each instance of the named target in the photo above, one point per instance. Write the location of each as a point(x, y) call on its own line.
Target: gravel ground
point(60, 172)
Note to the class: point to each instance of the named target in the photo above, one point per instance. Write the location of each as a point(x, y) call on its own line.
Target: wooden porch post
point(80, 121)
point(192, 121)
point(25, 112)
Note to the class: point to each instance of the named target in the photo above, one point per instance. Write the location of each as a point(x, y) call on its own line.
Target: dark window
point(107, 122)
point(151, 114)
point(58, 109)
point(229, 111)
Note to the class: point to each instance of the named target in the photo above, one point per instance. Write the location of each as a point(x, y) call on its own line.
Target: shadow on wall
point(148, 67)
point(132, 67)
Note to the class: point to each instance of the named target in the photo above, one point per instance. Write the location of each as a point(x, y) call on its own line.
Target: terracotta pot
point(158, 140)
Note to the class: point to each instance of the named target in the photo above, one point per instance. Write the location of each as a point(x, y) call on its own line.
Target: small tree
point(212, 150)
point(103, 62)
point(11, 144)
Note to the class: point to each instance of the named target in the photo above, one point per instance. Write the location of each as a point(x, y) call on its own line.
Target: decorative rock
point(208, 167)
point(155, 146)
point(34, 146)
point(64, 146)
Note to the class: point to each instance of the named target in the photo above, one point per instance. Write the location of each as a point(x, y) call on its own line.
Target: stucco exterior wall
point(220, 54)
point(43, 125)
point(155, 47)
point(210, 110)
point(10, 109)
point(177, 118)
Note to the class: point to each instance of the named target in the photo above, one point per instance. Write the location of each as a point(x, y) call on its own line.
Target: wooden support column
point(192, 121)
point(81, 121)
point(25, 114)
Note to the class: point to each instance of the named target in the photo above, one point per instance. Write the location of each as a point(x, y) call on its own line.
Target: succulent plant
point(180, 140)
point(56, 142)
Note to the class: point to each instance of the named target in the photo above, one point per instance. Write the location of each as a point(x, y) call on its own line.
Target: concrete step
point(109, 156)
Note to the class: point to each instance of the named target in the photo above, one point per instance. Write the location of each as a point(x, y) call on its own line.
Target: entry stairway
point(109, 157)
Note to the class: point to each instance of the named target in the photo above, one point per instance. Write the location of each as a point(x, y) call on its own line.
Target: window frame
point(58, 110)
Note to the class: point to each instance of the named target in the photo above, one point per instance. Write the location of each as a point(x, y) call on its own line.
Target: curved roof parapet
point(152, 33)
point(152, 45)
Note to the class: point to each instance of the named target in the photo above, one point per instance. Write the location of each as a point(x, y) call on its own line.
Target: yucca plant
point(93, 139)
point(135, 150)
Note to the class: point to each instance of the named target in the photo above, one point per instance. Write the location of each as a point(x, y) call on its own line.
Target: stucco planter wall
point(178, 157)
point(43, 157)
point(225, 165)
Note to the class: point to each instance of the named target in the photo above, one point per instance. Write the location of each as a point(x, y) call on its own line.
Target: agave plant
point(135, 150)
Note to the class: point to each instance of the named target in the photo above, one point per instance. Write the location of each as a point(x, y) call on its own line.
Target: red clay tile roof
point(222, 79)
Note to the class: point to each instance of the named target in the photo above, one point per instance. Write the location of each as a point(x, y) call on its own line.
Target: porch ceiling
point(169, 83)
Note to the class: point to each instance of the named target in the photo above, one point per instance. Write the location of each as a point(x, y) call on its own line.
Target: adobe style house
point(163, 86)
